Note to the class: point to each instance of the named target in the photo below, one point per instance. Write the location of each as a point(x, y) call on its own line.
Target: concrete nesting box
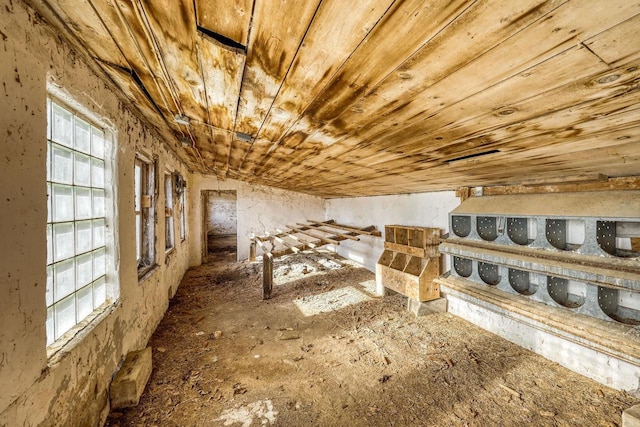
point(535, 268)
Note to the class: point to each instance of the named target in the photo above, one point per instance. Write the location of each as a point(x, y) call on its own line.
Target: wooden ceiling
point(350, 98)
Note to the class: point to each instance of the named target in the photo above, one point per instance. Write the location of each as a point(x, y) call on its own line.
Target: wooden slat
point(222, 74)
point(582, 92)
point(127, 84)
point(330, 41)
point(563, 85)
point(86, 24)
point(320, 228)
point(419, 252)
point(229, 18)
point(177, 50)
point(548, 42)
point(124, 22)
point(286, 244)
point(369, 231)
point(278, 31)
point(618, 44)
point(379, 97)
point(263, 247)
point(302, 230)
point(448, 49)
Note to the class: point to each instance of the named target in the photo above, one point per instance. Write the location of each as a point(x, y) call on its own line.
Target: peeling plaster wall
point(259, 208)
point(71, 387)
point(420, 209)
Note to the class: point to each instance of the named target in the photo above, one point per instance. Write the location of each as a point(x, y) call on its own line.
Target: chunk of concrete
point(428, 307)
point(631, 417)
point(131, 379)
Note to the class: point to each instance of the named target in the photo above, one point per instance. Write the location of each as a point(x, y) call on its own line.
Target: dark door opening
point(220, 224)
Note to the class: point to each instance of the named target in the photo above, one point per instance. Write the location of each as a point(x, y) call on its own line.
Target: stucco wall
point(71, 387)
point(420, 209)
point(259, 209)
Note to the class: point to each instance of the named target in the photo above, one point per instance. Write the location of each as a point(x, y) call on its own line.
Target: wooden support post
point(267, 275)
point(252, 250)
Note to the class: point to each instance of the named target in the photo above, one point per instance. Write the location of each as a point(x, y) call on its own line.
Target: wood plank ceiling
point(349, 98)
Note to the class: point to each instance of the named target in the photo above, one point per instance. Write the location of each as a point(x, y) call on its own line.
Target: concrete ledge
point(601, 350)
point(131, 379)
point(631, 417)
point(428, 307)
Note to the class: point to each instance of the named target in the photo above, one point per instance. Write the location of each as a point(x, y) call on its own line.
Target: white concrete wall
point(222, 213)
point(260, 209)
point(71, 387)
point(419, 209)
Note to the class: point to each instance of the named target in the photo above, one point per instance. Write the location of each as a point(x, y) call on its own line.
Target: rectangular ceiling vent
point(244, 137)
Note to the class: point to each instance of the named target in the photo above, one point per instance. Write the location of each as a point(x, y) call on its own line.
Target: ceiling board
point(83, 21)
point(278, 30)
point(125, 25)
point(476, 30)
point(177, 51)
point(617, 44)
point(229, 18)
point(329, 42)
point(343, 99)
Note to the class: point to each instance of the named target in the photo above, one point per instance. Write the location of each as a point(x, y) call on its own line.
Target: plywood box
point(410, 262)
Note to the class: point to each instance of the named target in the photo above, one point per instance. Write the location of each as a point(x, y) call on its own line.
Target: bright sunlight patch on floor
point(330, 301)
point(369, 287)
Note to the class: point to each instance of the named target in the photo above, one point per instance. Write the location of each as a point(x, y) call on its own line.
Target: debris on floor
point(366, 363)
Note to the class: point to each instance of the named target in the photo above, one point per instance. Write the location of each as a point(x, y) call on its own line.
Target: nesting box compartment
point(410, 262)
point(552, 271)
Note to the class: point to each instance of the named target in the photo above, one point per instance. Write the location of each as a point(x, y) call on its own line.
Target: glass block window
point(76, 223)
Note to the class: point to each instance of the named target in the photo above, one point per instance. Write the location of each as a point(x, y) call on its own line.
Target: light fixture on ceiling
point(244, 137)
point(182, 119)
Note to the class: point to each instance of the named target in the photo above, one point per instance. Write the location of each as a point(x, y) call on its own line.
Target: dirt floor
point(224, 357)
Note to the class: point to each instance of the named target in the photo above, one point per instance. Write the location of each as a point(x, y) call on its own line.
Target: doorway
point(220, 236)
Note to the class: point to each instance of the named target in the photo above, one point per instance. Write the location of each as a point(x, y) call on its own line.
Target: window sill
point(57, 351)
point(146, 272)
point(168, 255)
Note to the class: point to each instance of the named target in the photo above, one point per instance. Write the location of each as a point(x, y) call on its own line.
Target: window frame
point(182, 198)
point(144, 208)
point(98, 166)
point(169, 223)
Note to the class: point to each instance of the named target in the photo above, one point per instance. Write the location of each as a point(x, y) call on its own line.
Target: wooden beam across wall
point(626, 183)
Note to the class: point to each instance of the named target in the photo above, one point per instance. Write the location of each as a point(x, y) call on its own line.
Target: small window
point(183, 219)
point(143, 206)
point(168, 212)
point(79, 248)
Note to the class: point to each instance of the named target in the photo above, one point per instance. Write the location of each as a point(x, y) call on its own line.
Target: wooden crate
point(410, 261)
